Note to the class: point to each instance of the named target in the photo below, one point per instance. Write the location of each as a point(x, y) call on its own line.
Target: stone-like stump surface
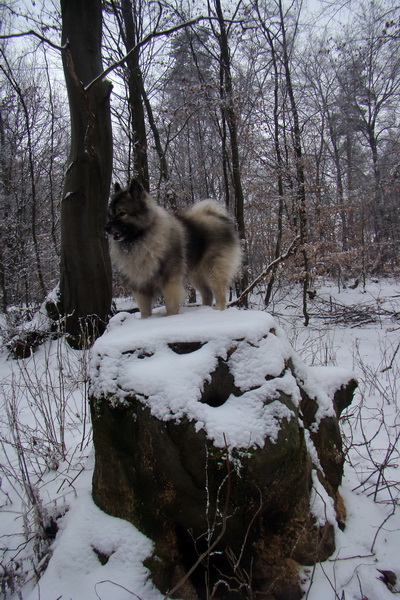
point(214, 439)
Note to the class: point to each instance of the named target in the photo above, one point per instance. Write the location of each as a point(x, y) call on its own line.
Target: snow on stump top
point(217, 441)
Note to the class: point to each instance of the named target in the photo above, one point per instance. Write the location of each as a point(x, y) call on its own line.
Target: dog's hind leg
point(200, 283)
point(205, 291)
point(219, 289)
point(144, 303)
point(173, 295)
point(206, 295)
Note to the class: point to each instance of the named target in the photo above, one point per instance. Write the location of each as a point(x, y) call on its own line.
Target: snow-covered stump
point(213, 438)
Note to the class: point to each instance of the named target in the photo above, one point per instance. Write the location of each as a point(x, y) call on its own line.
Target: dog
point(157, 252)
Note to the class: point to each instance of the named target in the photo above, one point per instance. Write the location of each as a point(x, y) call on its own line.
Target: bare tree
point(229, 115)
point(374, 64)
point(129, 19)
point(7, 71)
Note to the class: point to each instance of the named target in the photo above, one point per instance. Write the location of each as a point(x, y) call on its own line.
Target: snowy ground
point(46, 462)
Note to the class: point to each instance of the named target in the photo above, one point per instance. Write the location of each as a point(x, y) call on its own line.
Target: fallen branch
point(289, 252)
point(333, 311)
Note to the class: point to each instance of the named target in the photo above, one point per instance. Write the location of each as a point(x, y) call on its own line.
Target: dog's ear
point(117, 187)
point(136, 189)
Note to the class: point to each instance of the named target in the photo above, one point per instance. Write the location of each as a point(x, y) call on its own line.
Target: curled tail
point(208, 208)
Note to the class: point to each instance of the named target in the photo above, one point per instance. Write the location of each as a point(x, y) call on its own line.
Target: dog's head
point(129, 213)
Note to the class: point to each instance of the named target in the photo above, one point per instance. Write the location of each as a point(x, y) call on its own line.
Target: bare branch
point(154, 34)
point(392, 361)
point(289, 252)
point(35, 34)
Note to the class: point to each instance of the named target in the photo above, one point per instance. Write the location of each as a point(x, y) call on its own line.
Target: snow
point(265, 357)
point(321, 504)
point(62, 482)
point(135, 354)
point(86, 530)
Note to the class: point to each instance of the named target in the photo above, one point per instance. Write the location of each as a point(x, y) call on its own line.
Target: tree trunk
point(279, 162)
point(135, 84)
point(339, 182)
point(232, 510)
point(164, 171)
point(300, 175)
point(228, 111)
point(86, 290)
point(229, 118)
point(4, 188)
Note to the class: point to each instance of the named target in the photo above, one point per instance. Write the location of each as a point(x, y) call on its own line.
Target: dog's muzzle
point(114, 231)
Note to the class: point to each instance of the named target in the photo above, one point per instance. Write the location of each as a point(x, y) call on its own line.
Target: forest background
point(286, 112)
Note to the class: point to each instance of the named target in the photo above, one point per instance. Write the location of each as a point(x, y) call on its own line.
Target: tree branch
point(392, 361)
point(289, 252)
point(33, 33)
point(154, 34)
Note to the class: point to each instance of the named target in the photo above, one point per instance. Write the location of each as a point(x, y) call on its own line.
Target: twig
point(354, 316)
point(117, 585)
point(236, 565)
point(365, 322)
point(392, 361)
point(381, 526)
point(336, 559)
point(217, 539)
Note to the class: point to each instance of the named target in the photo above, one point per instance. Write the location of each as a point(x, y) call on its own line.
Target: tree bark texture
point(86, 289)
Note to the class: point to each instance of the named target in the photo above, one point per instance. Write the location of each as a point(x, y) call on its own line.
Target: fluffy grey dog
point(156, 251)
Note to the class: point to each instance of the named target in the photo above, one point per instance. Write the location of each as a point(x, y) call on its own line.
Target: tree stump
point(214, 439)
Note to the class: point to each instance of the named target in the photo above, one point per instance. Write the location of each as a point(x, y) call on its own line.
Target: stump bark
point(215, 440)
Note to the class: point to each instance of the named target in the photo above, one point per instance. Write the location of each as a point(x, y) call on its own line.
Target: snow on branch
point(35, 34)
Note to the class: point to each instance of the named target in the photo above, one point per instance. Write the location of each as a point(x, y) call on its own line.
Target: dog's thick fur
point(156, 251)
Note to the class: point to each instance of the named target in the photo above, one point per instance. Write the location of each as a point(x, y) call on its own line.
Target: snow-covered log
point(220, 444)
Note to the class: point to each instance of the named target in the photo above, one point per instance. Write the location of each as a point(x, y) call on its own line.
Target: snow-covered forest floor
point(46, 461)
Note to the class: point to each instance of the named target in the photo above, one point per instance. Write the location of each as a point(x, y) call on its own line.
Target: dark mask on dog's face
point(128, 214)
point(117, 231)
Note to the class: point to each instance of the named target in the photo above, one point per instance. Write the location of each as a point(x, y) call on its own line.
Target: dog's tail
point(208, 208)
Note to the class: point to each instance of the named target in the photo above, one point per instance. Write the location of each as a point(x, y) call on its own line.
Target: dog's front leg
point(173, 295)
point(144, 303)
